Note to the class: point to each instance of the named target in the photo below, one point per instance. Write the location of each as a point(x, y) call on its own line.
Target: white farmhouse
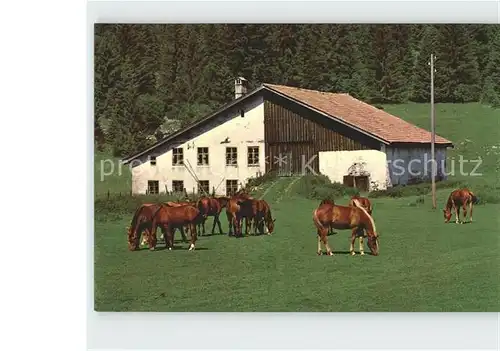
point(291, 131)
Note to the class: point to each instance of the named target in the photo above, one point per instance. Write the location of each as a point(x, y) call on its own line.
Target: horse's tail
point(372, 222)
point(474, 198)
point(316, 220)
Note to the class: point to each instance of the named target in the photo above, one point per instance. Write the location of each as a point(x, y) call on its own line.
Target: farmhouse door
point(280, 160)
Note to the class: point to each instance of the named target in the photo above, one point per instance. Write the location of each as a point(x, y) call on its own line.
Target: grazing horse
point(141, 222)
point(345, 217)
point(238, 207)
point(145, 238)
point(170, 218)
point(262, 216)
point(457, 198)
point(182, 229)
point(211, 207)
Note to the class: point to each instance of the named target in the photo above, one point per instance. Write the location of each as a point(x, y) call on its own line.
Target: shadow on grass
point(367, 253)
point(210, 234)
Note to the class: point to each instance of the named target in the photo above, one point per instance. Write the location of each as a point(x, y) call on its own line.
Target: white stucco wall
point(335, 165)
point(242, 132)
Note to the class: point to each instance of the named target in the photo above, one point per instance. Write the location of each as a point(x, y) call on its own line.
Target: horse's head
point(447, 215)
point(270, 225)
point(374, 244)
point(132, 246)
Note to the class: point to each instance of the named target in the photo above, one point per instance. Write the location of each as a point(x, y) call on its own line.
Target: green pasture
point(424, 264)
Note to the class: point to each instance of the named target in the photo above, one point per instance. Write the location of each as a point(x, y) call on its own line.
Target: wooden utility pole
point(433, 136)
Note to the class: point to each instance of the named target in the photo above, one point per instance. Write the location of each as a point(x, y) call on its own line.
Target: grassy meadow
point(424, 264)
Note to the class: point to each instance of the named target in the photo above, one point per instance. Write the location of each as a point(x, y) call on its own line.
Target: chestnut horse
point(238, 207)
point(212, 207)
point(262, 216)
point(170, 218)
point(141, 221)
point(345, 217)
point(457, 198)
point(145, 239)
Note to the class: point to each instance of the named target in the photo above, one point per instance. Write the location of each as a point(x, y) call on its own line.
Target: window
point(231, 186)
point(177, 186)
point(153, 187)
point(178, 157)
point(203, 156)
point(203, 187)
point(152, 160)
point(253, 155)
point(231, 156)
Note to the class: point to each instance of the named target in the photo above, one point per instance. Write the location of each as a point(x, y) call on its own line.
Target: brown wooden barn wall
point(291, 128)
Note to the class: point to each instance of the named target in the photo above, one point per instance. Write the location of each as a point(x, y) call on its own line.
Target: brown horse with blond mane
point(345, 217)
point(457, 198)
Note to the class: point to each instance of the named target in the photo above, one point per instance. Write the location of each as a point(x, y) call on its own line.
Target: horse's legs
point(324, 238)
point(457, 214)
point(193, 237)
point(464, 207)
point(203, 224)
point(230, 223)
point(470, 211)
point(361, 245)
point(353, 240)
point(169, 237)
point(183, 234)
point(151, 234)
point(145, 237)
point(238, 224)
point(214, 223)
point(217, 219)
point(319, 243)
point(248, 224)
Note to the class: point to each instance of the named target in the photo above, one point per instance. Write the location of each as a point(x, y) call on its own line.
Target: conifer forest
point(150, 80)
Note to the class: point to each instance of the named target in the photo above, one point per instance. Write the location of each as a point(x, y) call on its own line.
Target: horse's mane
point(269, 215)
point(372, 222)
point(135, 217)
point(449, 202)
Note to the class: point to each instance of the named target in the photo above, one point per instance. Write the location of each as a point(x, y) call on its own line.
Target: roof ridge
point(300, 88)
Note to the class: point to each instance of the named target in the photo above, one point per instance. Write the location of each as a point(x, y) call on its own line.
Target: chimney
point(240, 87)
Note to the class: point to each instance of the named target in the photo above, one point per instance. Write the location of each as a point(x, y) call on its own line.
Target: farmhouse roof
point(340, 107)
point(360, 114)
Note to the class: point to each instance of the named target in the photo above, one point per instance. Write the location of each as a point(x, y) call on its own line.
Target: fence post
point(108, 194)
point(213, 191)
